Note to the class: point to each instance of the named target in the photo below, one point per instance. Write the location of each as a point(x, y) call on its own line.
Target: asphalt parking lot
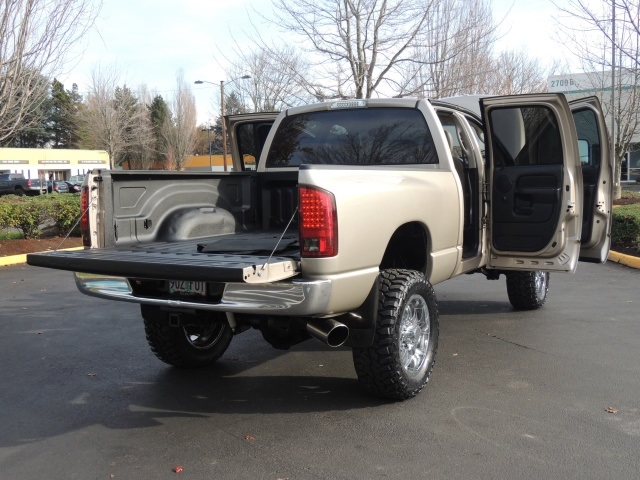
point(548, 394)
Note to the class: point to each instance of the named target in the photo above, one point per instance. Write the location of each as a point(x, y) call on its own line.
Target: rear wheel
point(400, 361)
point(194, 342)
point(527, 290)
point(19, 192)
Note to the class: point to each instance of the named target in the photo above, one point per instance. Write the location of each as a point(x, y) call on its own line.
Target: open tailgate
point(175, 261)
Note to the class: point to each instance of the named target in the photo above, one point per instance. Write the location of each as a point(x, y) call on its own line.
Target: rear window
point(364, 136)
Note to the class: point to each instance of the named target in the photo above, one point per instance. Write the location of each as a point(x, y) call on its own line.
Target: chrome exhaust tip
point(329, 331)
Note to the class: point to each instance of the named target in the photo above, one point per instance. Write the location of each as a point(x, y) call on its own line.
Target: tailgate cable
point(74, 225)
point(278, 243)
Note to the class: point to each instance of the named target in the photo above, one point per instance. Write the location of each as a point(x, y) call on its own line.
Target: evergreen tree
point(159, 113)
point(233, 106)
point(63, 119)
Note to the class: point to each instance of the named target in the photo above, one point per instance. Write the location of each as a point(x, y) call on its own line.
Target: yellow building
point(51, 163)
point(204, 163)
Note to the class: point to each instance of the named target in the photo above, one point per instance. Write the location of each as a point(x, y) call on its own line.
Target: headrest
point(449, 140)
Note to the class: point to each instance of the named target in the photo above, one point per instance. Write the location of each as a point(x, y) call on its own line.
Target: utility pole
point(222, 112)
point(616, 165)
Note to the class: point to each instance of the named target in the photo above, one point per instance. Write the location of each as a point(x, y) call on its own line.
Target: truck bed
point(233, 258)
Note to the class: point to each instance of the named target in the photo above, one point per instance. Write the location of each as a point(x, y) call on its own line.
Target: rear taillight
point(29, 182)
point(84, 220)
point(318, 223)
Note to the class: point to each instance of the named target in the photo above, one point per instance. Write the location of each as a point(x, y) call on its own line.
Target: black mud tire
point(393, 367)
point(19, 192)
point(192, 344)
point(527, 290)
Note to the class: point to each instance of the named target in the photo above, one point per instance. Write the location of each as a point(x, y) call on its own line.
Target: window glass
point(525, 136)
point(588, 136)
point(366, 136)
point(247, 146)
point(251, 139)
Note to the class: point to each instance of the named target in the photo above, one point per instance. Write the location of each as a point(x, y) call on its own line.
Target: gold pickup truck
point(339, 217)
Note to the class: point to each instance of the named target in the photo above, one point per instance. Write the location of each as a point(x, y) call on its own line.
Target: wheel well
point(407, 248)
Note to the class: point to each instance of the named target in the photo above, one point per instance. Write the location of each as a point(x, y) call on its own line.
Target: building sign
point(589, 83)
point(92, 162)
point(56, 162)
point(570, 82)
point(14, 162)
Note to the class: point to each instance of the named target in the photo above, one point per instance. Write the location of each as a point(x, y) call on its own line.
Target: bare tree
point(35, 37)
point(605, 36)
point(357, 44)
point(110, 117)
point(142, 151)
point(456, 55)
point(277, 77)
point(100, 123)
point(514, 72)
point(179, 129)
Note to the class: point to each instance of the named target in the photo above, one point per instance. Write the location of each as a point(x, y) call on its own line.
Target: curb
point(622, 259)
point(19, 259)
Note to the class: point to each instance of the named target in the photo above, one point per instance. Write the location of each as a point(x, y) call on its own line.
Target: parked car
point(74, 187)
point(17, 184)
point(76, 179)
point(57, 187)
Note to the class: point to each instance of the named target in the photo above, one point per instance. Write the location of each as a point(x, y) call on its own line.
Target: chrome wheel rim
point(540, 284)
point(415, 331)
point(203, 337)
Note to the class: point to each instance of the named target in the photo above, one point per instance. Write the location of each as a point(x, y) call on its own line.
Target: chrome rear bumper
point(295, 297)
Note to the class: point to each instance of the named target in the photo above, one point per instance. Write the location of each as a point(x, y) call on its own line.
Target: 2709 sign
point(563, 82)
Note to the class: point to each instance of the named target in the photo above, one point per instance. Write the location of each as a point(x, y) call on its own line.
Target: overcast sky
point(150, 40)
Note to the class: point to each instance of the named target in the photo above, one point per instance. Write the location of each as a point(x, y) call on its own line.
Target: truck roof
point(470, 103)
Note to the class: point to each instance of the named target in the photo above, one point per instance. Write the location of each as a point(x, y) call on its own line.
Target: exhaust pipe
point(329, 331)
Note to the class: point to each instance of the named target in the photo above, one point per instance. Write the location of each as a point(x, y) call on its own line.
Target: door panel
point(535, 183)
point(597, 175)
point(526, 207)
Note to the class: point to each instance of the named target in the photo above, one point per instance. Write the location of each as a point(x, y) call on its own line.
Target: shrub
point(64, 210)
point(626, 225)
point(28, 216)
point(29, 213)
point(6, 215)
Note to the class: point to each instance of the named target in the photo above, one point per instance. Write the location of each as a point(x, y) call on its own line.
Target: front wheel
point(400, 361)
point(527, 290)
point(193, 342)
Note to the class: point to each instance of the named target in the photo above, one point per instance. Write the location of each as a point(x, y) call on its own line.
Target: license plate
point(186, 287)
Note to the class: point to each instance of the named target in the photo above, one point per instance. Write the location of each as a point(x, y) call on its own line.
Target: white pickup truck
point(339, 217)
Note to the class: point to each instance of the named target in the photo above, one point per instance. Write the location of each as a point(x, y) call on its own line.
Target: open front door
point(534, 182)
point(597, 178)
point(248, 133)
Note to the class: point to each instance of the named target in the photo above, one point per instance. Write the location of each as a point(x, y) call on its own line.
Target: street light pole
point(224, 127)
point(209, 140)
point(208, 129)
point(222, 111)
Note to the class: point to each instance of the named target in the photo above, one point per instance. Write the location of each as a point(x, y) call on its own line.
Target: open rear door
point(534, 182)
point(597, 178)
